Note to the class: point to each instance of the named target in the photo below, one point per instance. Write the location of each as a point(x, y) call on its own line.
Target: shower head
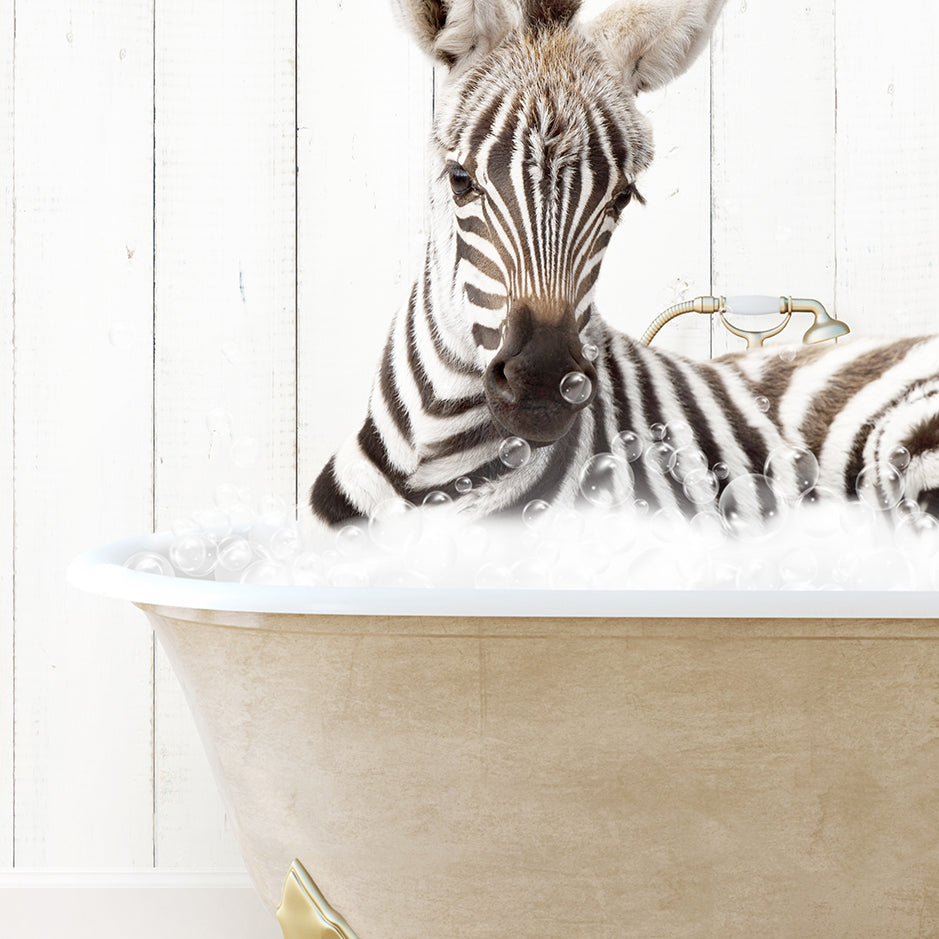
point(824, 326)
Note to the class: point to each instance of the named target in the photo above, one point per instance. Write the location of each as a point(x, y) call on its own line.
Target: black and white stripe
point(851, 405)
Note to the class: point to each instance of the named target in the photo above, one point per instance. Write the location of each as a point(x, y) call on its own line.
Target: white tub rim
point(100, 571)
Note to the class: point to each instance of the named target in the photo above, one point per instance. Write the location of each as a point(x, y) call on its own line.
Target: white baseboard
point(142, 904)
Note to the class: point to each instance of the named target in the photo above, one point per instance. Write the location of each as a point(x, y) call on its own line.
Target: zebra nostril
point(497, 383)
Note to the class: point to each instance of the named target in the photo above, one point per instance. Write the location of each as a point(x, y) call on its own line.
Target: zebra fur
point(852, 405)
point(539, 144)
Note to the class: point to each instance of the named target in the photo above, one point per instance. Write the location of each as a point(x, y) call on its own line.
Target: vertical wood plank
point(6, 433)
point(225, 322)
point(773, 154)
point(887, 159)
point(660, 255)
point(361, 197)
point(83, 455)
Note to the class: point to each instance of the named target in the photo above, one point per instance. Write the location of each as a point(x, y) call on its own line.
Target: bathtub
point(544, 764)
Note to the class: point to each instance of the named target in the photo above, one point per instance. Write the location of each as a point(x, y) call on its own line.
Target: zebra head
point(537, 144)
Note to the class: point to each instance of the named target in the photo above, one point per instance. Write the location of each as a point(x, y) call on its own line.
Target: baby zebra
point(538, 144)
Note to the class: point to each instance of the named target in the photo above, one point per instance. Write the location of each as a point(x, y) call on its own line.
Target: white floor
point(143, 905)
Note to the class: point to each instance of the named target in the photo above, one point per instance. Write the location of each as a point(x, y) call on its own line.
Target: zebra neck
point(428, 418)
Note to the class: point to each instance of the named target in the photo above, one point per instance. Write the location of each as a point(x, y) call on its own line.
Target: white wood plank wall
point(773, 127)
point(225, 315)
point(217, 209)
point(6, 433)
point(887, 167)
point(83, 437)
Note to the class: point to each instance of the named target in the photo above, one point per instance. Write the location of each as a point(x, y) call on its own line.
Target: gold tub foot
point(304, 913)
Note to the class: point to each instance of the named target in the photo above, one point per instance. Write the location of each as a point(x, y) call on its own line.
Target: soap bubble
point(687, 460)
point(219, 421)
point(788, 353)
point(799, 566)
point(679, 434)
point(908, 507)
point(235, 554)
point(628, 445)
point(708, 527)
point(818, 496)
point(792, 466)
point(408, 580)
point(265, 573)
point(348, 575)
point(762, 403)
point(752, 506)
point(857, 520)
point(880, 486)
point(576, 388)
point(529, 572)
point(475, 542)
point(192, 554)
point(494, 576)
point(241, 516)
point(759, 573)
point(606, 481)
point(436, 498)
point(286, 543)
point(273, 510)
point(246, 452)
point(308, 570)
point(514, 452)
point(150, 562)
point(912, 531)
point(590, 351)
point(463, 485)
point(652, 570)
point(213, 523)
point(567, 525)
point(668, 525)
point(700, 487)
point(534, 514)
point(659, 457)
point(657, 431)
point(435, 554)
point(394, 525)
point(900, 458)
point(820, 511)
point(721, 471)
point(641, 507)
point(351, 540)
point(878, 569)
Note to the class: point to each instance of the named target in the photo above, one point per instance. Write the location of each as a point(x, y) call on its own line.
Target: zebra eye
point(460, 181)
point(623, 198)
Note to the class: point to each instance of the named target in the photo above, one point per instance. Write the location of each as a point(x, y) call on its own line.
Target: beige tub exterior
point(443, 777)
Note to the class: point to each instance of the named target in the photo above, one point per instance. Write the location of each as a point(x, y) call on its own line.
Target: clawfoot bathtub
point(538, 764)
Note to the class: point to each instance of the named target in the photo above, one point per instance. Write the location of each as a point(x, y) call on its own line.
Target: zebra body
point(538, 143)
point(852, 405)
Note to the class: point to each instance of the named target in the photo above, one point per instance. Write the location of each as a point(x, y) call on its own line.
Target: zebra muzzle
point(523, 381)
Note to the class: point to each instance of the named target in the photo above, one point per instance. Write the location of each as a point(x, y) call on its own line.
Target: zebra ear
point(452, 30)
point(654, 41)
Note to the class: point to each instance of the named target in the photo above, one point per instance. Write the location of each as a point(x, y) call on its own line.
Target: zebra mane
point(552, 12)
